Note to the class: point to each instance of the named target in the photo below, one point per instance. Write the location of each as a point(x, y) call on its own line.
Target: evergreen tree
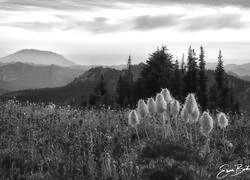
point(191, 78)
point(183, 70)
point(213, 97)
point(202, 92)
point(129, 76)
point(100, 89)
point(223, 90)
point(224, 97)
point(177, 81)
point(183, 65)
point(99, 97)
point(220, 84)
point(220, 72)
point(157, 72)
point(124, 90)
point(120, 91)
point(129, 64)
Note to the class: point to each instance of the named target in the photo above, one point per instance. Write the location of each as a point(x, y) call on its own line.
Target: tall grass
point(39, 141)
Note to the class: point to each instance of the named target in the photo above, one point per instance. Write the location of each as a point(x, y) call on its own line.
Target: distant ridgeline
point(34, 69)
point(214, 89)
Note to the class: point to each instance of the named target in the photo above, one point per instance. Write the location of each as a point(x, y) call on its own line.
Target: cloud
point(148, 22)
point(242, 3)
point(139, 23)
point(101, 24)
point(92, 4)
point(66, 22)
point(197, 23)
point(34, 26)
point(95, 25)
point(214, 22)
point(56, 4)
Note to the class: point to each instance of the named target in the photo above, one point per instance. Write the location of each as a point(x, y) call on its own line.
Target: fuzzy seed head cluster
point(142, 108)
point(207, 124)
point(175, 108)
point(194, 116)
point(222, 120)
point(161, 104)
point(167, 96)
point(190, 103)
point(151, 106)
point(192, 108)
point(184, 115)
point(133, 119)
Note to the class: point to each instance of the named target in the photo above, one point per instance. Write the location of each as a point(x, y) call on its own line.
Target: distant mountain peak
point(34, 51)
point(34, 56)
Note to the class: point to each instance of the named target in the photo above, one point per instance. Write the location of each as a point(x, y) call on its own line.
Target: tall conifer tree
point(176, 81)
point(222, 85)
point(191, 78)
point(99, 97)
point(157, 72)
point(202, 92)
point(220, 72)
point(124, 89)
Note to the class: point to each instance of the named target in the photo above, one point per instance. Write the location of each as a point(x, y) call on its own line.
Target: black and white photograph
point(124, 89)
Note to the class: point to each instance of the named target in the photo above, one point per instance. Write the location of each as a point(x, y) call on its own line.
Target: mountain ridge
point(20, 76)
point(80, 88)
point(37, 57)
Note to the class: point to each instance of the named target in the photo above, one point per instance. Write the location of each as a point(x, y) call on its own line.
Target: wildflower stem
point(186, 131)
point(154, 125)
point(145, 127)
point(195, 131)
point(138, 135)
point(164, 125)
point(190, 135)
point(223, 138)
point(169, 131)
point(177, 128)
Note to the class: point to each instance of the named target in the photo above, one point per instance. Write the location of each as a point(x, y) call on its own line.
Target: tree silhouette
point(124, 89)
point(177, 81)
point(220, 72)
point(99, 97)
point(202, 79)
point(157, 72)
point(224, 95)
point(191, 78)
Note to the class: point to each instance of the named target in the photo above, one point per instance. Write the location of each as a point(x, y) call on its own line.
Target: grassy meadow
point(39, 141)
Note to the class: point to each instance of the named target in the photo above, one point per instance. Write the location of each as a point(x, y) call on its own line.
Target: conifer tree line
point(188, 76)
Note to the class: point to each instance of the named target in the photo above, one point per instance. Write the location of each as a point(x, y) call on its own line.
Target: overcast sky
point(107, 31)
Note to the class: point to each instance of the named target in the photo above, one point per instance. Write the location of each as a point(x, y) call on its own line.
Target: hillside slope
point(80, 88)
point(19, 76)
point(238, 70)
point(73, 92)
point(3, 91)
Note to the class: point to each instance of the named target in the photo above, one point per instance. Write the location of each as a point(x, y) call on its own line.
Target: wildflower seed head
point(133, 119)
point(184, 115)
point(142, 108)
point(167, 96)
point(151, 106)
point(222, 120)
point(206, 124)
point(161, 104)
point(194, 116)
point(190, 103)
point(175, 108)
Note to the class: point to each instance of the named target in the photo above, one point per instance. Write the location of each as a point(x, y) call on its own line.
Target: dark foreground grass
point(43, 142)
